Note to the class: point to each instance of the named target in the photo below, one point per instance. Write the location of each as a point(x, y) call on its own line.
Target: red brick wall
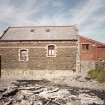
point(101, 52)
point(94, 52)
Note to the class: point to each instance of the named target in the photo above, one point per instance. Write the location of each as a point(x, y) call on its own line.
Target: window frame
point(54, 50)
point(19, 54)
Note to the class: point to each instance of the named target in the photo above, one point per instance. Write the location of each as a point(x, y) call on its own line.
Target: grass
point(97, 74)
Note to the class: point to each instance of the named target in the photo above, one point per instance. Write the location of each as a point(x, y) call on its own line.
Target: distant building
point(91, 51)
point(40, 48)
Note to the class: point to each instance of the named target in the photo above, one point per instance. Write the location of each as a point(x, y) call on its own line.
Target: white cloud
point(6, 12)
point(51, 21)
point(89, 23)
point(82, 14)
point(57, 3)
point(20, 16)
point(84, 11)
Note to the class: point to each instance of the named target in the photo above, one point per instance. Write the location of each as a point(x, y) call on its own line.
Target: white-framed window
point(23, 55)
point(51, 51)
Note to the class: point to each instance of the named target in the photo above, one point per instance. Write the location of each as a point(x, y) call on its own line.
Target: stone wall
point(100, 64)
point(65, 55)
point(36, 74)
point(87, 65)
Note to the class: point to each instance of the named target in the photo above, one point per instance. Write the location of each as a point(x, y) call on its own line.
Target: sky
point(87, 15)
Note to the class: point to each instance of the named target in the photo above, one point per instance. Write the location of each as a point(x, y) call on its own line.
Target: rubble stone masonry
point(65, 55)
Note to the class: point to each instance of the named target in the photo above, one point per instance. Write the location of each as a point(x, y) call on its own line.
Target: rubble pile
point(42, 92)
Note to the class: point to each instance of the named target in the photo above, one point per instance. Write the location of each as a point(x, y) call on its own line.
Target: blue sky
point(88, 15)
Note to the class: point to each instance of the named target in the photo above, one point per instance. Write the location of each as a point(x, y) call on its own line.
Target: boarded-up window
point(23, 55)
point(85, 46)
point(51, 50)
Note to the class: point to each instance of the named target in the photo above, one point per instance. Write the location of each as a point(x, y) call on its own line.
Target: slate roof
point(41, 33)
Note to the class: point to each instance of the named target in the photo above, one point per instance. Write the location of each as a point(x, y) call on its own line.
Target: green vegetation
point(97, 74)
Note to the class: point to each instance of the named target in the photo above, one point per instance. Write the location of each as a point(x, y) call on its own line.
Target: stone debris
point(41, 93)
point(10, 91)
point(87, 99)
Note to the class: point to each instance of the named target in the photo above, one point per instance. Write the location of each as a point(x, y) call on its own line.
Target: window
point(51, 50)
point(85, 46)
point(23, 55)
point(47, 30)
point(32, 30)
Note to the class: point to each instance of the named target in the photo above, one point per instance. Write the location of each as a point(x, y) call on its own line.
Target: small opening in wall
point(85, 46)
point(32, 30)
point(47, 30)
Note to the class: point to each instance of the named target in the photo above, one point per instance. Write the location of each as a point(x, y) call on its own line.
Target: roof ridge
point(42, 26)
point(93, 40)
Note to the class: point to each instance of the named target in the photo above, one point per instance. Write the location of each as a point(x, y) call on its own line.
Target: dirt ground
point(45, 92)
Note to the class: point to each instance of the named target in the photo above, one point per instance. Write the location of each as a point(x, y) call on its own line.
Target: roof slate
point(41, 33)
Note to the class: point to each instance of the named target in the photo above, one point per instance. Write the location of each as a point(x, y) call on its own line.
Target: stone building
point(40, 48)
